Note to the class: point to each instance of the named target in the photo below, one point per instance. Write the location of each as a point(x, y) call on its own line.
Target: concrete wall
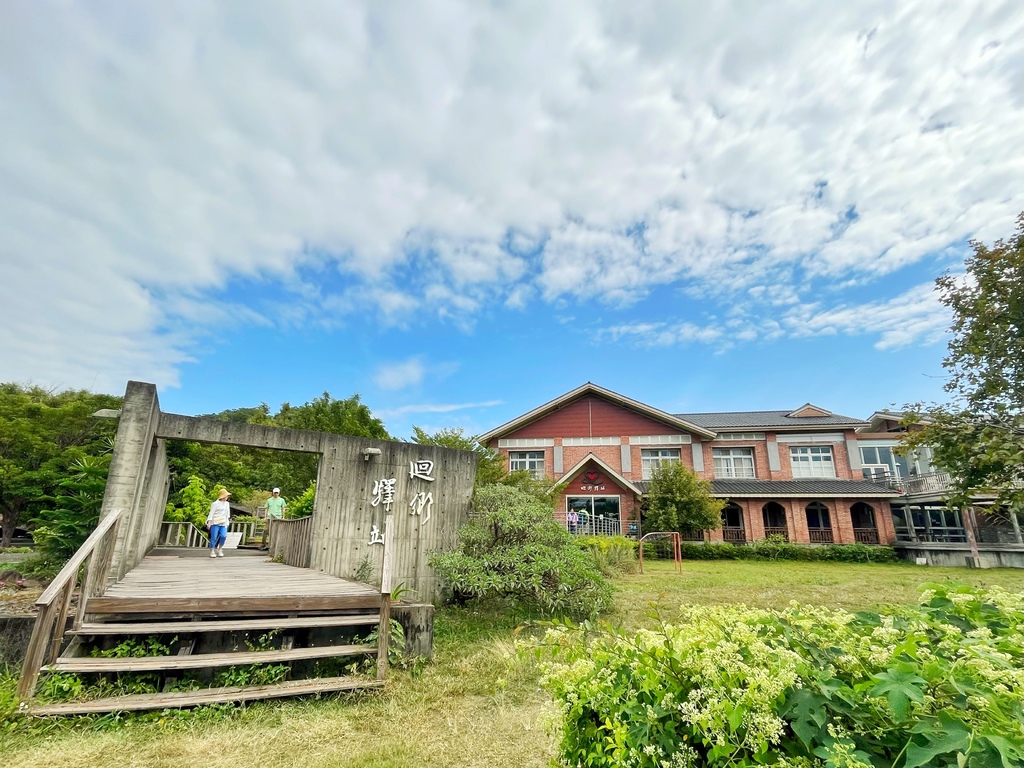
point(130, 486)
point(345, 515)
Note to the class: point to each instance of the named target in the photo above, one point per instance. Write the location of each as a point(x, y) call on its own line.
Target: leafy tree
point(302, 506)
point(340, 417)
point(38, 430)
point(62, 528)
point(678, 500)
point(513, 548)
point(490, 468)
point(978, 437)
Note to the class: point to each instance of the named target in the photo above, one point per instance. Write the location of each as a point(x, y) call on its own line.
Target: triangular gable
point(615, 476)
point(808, 410)
point(607, 394)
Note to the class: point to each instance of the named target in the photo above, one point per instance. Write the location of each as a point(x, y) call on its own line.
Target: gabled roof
point(614, 475)
point(732, 420)
point(808, 410)
point(593, 389)
point(876, 418)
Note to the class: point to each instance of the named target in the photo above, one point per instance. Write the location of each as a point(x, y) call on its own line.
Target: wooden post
point(60, 621)
point(35, 653)
point(384, 629)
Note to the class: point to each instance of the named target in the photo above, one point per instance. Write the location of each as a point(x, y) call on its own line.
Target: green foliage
point(614, 555)
point(679, 500)
point(63, 527)
point(939, 685)
point(340, 417)
point(43, 433)
point(774, 549)
point(194, 502)
point(513, 548)
point(979, 437)
point(303, 505)
point(490, 468)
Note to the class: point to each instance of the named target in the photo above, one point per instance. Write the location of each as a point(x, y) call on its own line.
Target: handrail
point(171, 534)
point(54, 603)
point(292, 540)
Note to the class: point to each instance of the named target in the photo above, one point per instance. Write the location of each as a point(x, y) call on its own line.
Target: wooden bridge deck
point(188, 580)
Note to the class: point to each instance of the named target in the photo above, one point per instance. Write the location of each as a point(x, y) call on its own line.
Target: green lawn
point(477, 705)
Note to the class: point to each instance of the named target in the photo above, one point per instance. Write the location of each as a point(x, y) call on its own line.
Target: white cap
point(277, 490)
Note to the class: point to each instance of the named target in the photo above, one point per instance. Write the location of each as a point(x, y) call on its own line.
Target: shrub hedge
point(768, 549)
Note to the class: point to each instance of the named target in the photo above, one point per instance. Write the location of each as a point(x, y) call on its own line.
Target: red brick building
point(794, 473)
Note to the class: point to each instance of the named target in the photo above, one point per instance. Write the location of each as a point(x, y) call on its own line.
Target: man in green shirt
point(276, 507)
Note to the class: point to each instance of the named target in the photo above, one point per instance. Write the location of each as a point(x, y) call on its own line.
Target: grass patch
point(478, 704)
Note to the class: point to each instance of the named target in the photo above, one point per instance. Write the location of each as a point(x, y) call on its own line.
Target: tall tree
point(978, 437)
point(491, 466)
point(325, 414)
point(678, 500)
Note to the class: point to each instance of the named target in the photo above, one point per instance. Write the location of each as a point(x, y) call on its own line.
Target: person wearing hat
point(217, 520)
point(276, 506)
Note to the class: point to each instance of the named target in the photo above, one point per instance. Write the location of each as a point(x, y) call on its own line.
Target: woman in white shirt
point(217, 520)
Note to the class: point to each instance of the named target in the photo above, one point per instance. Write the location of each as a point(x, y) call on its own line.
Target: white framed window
point(591, 441)
point(812, 461)
point(654, 457)
point(741, 436)
point(659, 440)
point(531, 461)
point(734, 462)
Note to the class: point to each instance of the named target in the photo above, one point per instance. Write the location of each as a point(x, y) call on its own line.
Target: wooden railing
point(733, 534)
point(933, 482)
point(819, 535)
point(181, 534)
point(776, 531)
point(291, 541)
point(54, 604)
point(865, 535)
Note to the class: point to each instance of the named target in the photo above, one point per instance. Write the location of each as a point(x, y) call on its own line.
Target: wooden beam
point(180, 699)
point(239, 625)
point(106, 604)
point(204, 660)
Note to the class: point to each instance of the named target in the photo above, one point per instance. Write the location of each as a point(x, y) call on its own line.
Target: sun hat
point(224, 493)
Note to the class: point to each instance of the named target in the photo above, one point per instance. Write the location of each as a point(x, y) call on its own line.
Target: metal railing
point(933, 482)
point(53, 606)
point(598, 526)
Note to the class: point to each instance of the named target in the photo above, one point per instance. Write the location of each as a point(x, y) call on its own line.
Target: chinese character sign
point(421, 469)
point(383, 493)
point(421, 504)
point(376, 537)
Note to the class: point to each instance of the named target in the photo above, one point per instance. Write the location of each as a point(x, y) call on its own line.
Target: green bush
point(937, 685)
point(774, 549)
point(513, 548)
point(613, 554)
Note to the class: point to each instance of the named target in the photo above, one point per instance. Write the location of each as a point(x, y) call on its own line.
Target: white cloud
point(400, 375)
point(451, 156)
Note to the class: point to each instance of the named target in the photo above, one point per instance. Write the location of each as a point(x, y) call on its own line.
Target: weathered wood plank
point(240, 625)
point(204, 660)
point(107, 605)
point(180, 699)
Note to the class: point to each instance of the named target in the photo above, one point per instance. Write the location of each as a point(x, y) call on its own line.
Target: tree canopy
point(43, 434)
point(978, 437)
point(491, 466)
point(678, 500)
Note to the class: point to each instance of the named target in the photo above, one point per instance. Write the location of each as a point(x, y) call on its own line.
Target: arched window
point(732, 523)
point(817, 516)
point(774, 520)
point(862, 516)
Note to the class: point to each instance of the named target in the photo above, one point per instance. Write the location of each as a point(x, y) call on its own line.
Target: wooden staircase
point(311, 619)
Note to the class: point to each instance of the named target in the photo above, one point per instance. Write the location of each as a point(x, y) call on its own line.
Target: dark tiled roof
point(752, 419)
point(801, 488)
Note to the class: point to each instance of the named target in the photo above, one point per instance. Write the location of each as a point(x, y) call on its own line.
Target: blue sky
point(461, 210)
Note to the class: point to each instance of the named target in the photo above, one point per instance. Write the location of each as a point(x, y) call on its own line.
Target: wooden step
point(176, 627)
point(179, 699)
point(203, 660)
point(284, 604)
